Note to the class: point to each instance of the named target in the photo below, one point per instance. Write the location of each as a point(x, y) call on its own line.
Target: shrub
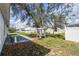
point(11, 30)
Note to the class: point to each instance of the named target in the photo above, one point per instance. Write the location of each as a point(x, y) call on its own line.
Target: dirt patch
point(58, 52)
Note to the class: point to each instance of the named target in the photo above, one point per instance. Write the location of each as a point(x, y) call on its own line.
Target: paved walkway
point(53, 52)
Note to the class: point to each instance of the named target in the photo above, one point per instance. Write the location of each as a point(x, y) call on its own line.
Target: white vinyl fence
point(72, 33)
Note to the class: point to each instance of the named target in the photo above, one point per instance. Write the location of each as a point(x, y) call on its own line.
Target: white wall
point(3, 32)
point(72, 33)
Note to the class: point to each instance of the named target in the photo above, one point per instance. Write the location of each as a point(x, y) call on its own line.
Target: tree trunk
point(55, 26)
point(41, 32)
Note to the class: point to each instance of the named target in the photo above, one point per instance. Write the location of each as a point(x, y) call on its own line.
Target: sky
point(13, 20)
point(74, 18)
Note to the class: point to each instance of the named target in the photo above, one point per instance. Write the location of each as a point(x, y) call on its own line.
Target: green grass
point(25, 34)
point(59, 44)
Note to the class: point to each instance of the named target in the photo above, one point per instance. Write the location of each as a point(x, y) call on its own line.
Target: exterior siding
point(3, 32)
point(4, 22)
point(5, 12)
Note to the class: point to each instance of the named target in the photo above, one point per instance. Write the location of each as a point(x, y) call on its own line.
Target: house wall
point(5, 12)
point(4, 22)
point(72, 33)
point(3, 32)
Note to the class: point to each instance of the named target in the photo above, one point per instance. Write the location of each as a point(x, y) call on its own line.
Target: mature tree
point(58, 13)
point(35, 11)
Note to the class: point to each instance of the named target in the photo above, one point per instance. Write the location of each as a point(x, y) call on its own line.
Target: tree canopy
point(42, 13)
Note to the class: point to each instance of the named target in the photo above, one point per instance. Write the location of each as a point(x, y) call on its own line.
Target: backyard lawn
point(51, 45)
point(59, 46)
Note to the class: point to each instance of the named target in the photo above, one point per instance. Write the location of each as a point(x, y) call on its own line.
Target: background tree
point(58, 13)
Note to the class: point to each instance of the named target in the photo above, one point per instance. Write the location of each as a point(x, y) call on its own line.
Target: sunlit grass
point(68, 47)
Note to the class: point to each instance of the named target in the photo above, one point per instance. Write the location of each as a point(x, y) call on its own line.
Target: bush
point(61, 35)
point(11, 30)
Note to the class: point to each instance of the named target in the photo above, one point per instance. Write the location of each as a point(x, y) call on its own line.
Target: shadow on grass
point(24, 49)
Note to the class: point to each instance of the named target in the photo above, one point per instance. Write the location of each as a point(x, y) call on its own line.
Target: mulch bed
point(24, 49)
